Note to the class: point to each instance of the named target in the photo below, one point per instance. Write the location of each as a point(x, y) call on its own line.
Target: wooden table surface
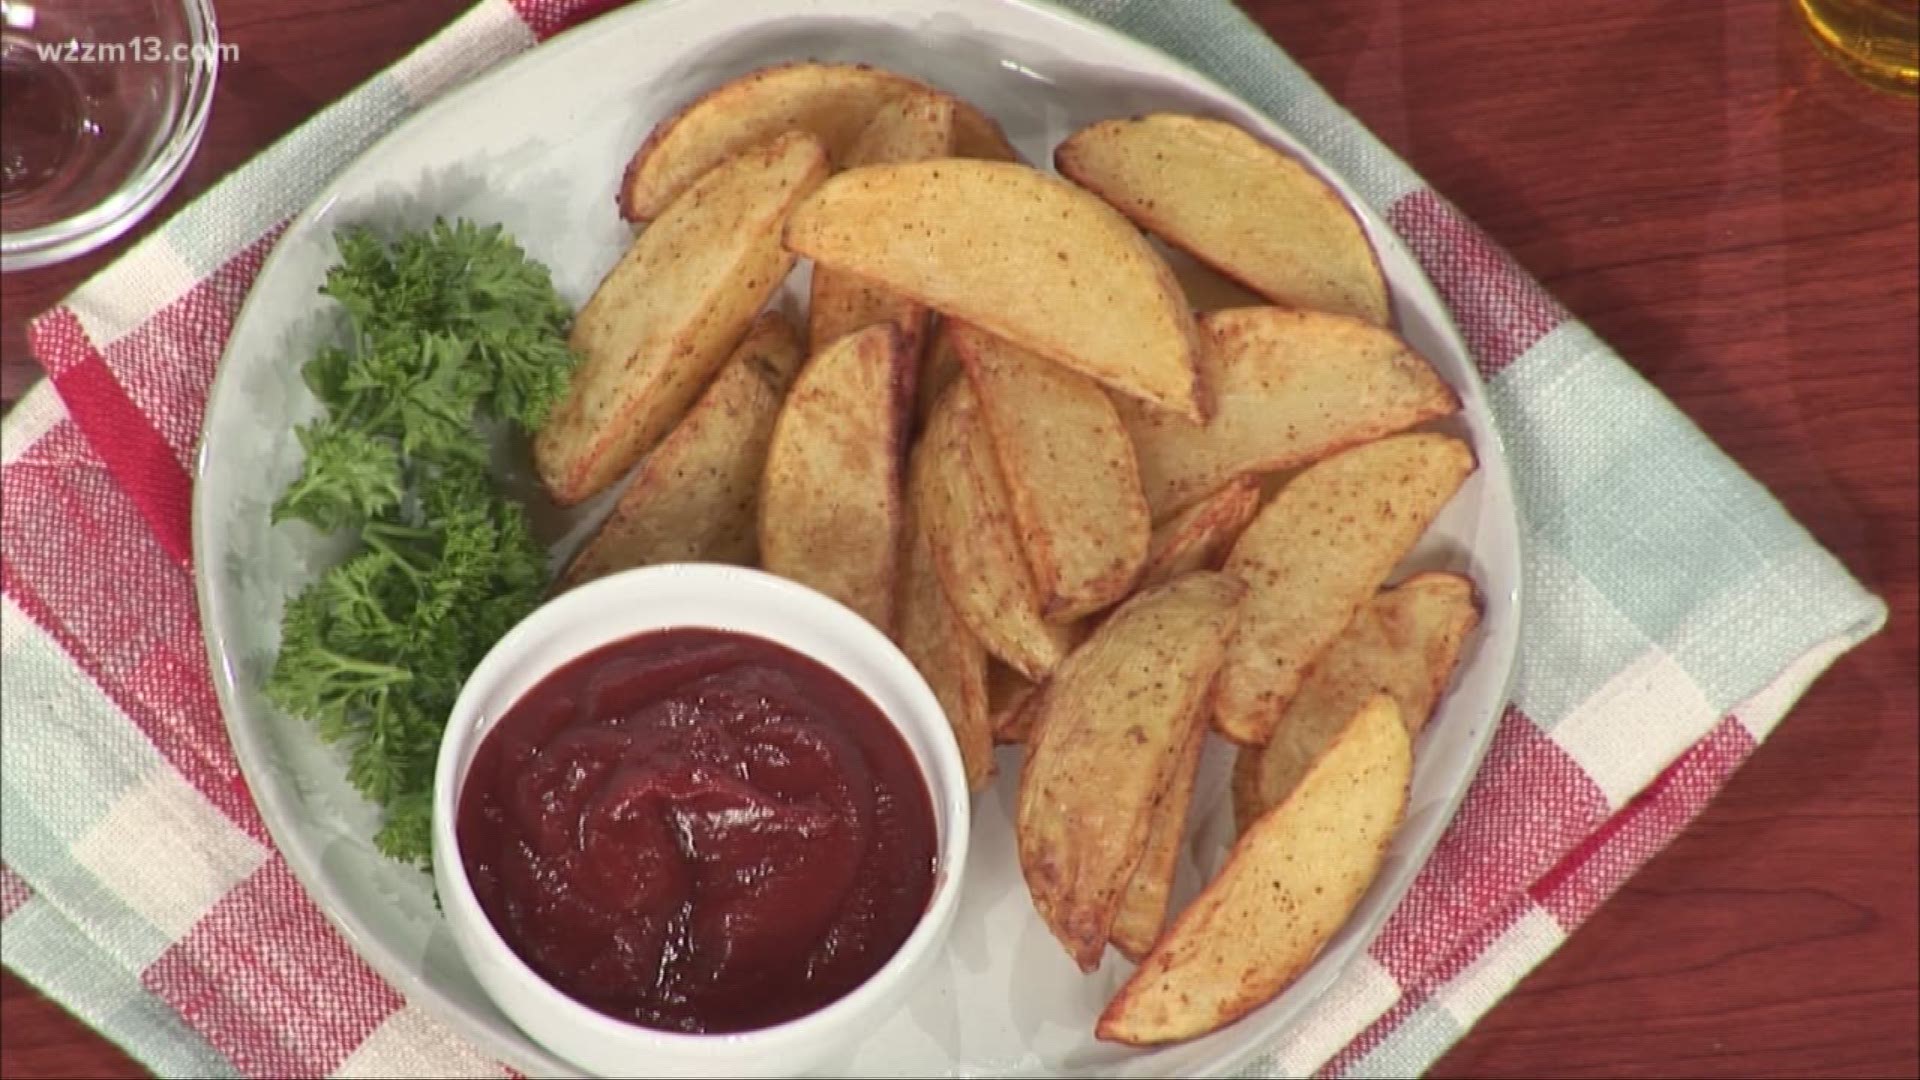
point(1739, 221)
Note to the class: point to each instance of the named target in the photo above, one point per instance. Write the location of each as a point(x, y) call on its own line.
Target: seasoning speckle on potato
point(981, 241)
point(1287, 886)
point(831, 504)
point(931, 634)
point(976, 543)
point(666, 316)
point(1199, 537)
point(1110, 728)
point(1251, 211)
point(1069, 469)
point(1292, 387)
point(1318, 552)
point(696, 497)
point(832, 102)
point(1143, 908)
point(1404, 643)
point(912, 127)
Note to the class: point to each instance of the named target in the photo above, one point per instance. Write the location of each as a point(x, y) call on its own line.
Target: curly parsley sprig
point(450, 328)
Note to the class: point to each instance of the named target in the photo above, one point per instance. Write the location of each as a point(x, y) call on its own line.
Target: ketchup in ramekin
point(698, 831)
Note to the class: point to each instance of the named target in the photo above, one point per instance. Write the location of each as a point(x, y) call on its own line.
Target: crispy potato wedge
point(1008, 693)
point(1318, 552)
point(1292, 387)
point(696, 497)
point(976, 544)
point(1249, 210)
point(1143, 909)
point(915, 126)
point(831, 504)
point(1109, 729)
point(1021, 254)
point(941, 647)
point(938, 370)
point(1069, 471)
point(1199, 537)
point(832, 102)
point(1288, 885)
point(667, 315)
point(1433, 613)
point(1404, 644)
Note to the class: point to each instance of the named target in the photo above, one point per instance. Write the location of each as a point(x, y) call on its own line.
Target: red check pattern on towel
point(97, 574)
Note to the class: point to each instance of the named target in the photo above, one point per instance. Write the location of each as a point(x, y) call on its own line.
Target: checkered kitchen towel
point(1674, 614)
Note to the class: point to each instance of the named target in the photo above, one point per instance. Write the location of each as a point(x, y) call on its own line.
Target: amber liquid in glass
point(1877, 40)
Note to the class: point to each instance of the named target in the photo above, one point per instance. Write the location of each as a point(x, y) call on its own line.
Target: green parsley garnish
point(451, 330)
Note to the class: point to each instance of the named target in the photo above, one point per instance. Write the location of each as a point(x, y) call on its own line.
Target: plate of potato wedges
point(1132, 423)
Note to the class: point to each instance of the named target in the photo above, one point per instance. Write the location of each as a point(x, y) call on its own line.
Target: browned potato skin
point(1251, 211)
point(832, 102)
point(1008, 693)
point(976, 544)
point(1288, 885)
point(696, 497)
point(1143, 909)
point(1199, 537)
point(1292, 387)
point(940, 646)
point(667, 316)
point(938, 370)
point(1318, 552)
point(1109, 729)
point(1069, 471)
point(1022, 255)
point(1404, 643)
point(831, 504)
point(912, 127)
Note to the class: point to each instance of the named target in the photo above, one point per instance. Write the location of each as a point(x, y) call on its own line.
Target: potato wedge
point(1292, 387)
point(1069, 470)
point(832, 102)
point(1249, 210)
point(1206, 289)
point(915, 126)
point(1143, 909)
point(1021, 254)
point(1109, 729)
point(1199, 537)
point(976, 545)
point(1008, 692)
point(1430, 614)
point(941, 647)
point(696, 497)
point(1315, 555)
point(1404, 644)
point(668, 314)
point(938, 370)
point(1288, 885)
point(831, 504)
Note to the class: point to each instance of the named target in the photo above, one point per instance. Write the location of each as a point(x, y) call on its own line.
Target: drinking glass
point(1878, 41)
point(102, 103)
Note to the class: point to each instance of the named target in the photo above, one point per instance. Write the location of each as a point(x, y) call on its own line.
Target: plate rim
point(277, 817)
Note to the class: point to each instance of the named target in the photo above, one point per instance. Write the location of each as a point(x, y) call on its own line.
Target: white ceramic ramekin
point(721, 598)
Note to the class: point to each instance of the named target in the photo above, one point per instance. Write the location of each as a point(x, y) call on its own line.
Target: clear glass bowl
point(102, 105)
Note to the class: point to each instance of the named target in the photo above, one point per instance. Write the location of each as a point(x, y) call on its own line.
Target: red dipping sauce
point(698, 831)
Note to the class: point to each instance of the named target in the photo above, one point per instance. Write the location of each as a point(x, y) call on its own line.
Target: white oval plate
point(538, 145)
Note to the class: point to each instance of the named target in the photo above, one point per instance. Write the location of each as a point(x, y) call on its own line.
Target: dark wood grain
point(1740, 222)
